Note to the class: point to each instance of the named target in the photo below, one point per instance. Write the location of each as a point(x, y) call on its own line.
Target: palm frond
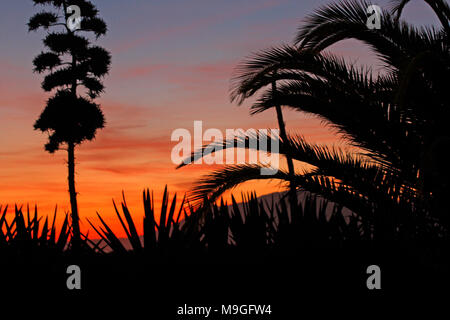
point(440, 8)
point(347, 20)
point(216, 183)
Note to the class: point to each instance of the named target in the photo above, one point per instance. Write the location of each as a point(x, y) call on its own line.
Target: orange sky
point(171, 66)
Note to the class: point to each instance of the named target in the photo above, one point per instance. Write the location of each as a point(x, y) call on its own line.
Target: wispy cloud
point(199, 23)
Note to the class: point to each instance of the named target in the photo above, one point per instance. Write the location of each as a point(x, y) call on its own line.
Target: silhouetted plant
point(253, 228)
point(71, 61)
point(24, 236)
point(176, 230)
point(395, 117)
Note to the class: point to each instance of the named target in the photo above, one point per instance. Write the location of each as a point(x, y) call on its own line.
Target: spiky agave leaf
point(107, 235)
point(25, 237)
point(157, 236)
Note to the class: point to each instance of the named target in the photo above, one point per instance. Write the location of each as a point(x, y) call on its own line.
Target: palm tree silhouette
point(235, 96)
point(394, 117)
point(71, 61)
point(440, 8)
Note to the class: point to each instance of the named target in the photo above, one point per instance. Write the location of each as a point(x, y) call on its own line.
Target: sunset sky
point(171, 65)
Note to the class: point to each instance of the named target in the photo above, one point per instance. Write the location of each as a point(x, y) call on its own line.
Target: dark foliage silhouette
point(71, 62)
point(397, 118)
point(24, 234)
point(251, 227)
point(385, 203)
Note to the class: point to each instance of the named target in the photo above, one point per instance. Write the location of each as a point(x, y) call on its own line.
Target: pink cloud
point(199, 23)
point(200, 72)
point(142, 71)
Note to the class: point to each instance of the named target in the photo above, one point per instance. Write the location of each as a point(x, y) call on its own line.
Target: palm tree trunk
point(76, 238)
point(290, 162)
